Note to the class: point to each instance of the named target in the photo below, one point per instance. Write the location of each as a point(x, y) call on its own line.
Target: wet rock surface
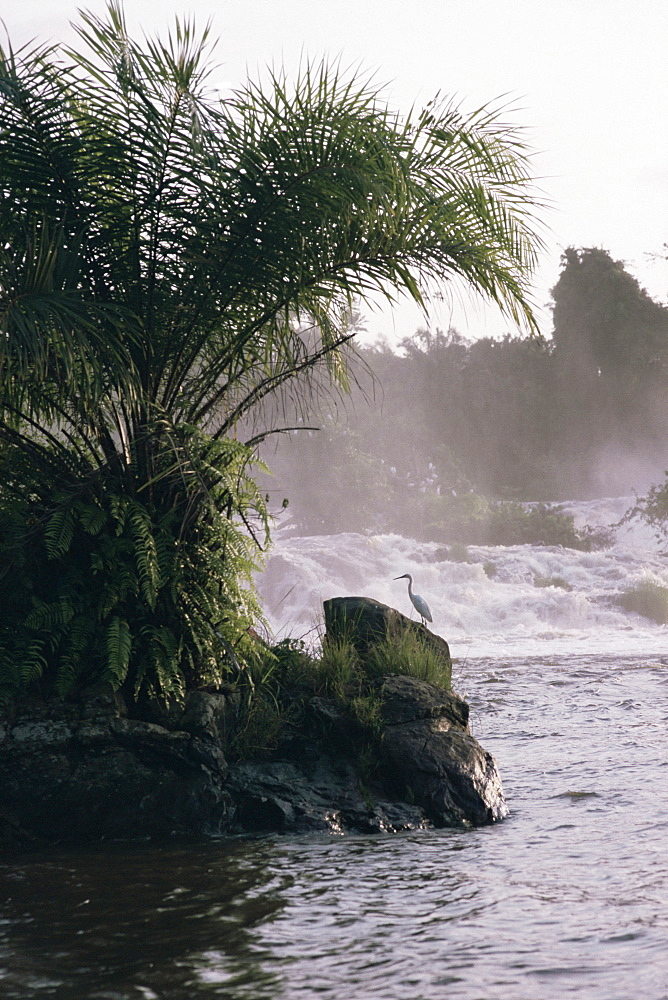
point(429, 754)
point(318, 794)
point(72, 772)
point(83, 772)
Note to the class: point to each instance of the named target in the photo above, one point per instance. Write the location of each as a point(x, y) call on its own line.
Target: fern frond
point(50, 616)
point(92, 518)
point(118, 649)
point(58, 532)
point(146, 553)
point(68, 670)
point(33, 664)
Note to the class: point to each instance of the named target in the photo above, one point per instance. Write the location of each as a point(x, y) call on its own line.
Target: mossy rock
point(365, 623)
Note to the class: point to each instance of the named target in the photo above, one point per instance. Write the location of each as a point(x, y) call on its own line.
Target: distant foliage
point(552, 581)
point(647, 598)
point(457, 427)
point(652, 509)
point(611, 364)
point(541, 524)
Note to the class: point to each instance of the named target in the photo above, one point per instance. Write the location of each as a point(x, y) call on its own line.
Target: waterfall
point(514, 600)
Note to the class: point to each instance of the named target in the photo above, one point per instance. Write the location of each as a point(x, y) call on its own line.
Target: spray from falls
point(496, 601)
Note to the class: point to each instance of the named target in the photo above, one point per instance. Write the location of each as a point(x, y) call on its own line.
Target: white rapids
point(526, 600)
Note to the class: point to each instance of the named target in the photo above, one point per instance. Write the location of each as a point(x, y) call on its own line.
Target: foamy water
point(504, 601)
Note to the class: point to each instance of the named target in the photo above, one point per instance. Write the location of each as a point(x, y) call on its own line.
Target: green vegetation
point(467, 518)
point(345, 686)
point(408, 654)
point(552, 581)
point(652, 509)
point(506, 522)
point(457, 552)
point(174, 270)
point(512, 523)
point(647, 598)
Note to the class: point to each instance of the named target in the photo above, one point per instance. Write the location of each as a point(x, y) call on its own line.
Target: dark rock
point(427, 752)
point(101, 700)
point(405, 699)
point(210, 715)
point(429, 756)
point(326, 712)
point(432, 772)
point(318, 794)
point(83, 772)
point(447, 773)
point(166, 714)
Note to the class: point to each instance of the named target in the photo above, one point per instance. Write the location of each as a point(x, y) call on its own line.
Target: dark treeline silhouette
point(454, 427)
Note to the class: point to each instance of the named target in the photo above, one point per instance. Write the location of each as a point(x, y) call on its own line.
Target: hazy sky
point(589, 78)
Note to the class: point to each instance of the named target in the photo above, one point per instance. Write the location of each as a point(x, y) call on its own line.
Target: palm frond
point(170, 264)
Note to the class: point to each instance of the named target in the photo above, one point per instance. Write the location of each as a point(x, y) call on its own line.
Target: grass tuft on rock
point(409, 654)
point(335, 695)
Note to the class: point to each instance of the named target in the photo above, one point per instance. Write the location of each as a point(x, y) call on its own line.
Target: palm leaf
point(173, 266)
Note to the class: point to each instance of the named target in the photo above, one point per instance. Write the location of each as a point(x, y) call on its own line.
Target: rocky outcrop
point(77, 772)
point(429, 755)
point(319, 793)
point(430, 772)
point(365, 622)
point(86, 771)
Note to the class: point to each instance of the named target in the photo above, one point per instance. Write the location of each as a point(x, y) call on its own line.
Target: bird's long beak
point(402, 577)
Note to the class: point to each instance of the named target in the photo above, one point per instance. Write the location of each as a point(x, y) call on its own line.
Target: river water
point(568, 897)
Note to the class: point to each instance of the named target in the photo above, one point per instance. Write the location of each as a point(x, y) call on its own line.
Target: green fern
point(146, 553)
point(59, 532)
point(32, 663)
point(116, 575)
point(74, 645)
point(92, 518)
point(119, 649)
point(50, 616)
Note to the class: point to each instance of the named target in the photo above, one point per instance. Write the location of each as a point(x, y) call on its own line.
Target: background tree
point(170, 262)
point(583, 414)
point(610, 348)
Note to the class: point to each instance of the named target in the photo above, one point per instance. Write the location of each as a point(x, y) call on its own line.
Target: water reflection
point(231, 919)
point(370, 917)
point(137, 922)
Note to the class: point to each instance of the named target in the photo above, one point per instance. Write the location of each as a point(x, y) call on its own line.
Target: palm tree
point(169, 262)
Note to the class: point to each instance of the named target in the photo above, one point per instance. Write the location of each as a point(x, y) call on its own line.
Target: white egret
point(418, 602)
